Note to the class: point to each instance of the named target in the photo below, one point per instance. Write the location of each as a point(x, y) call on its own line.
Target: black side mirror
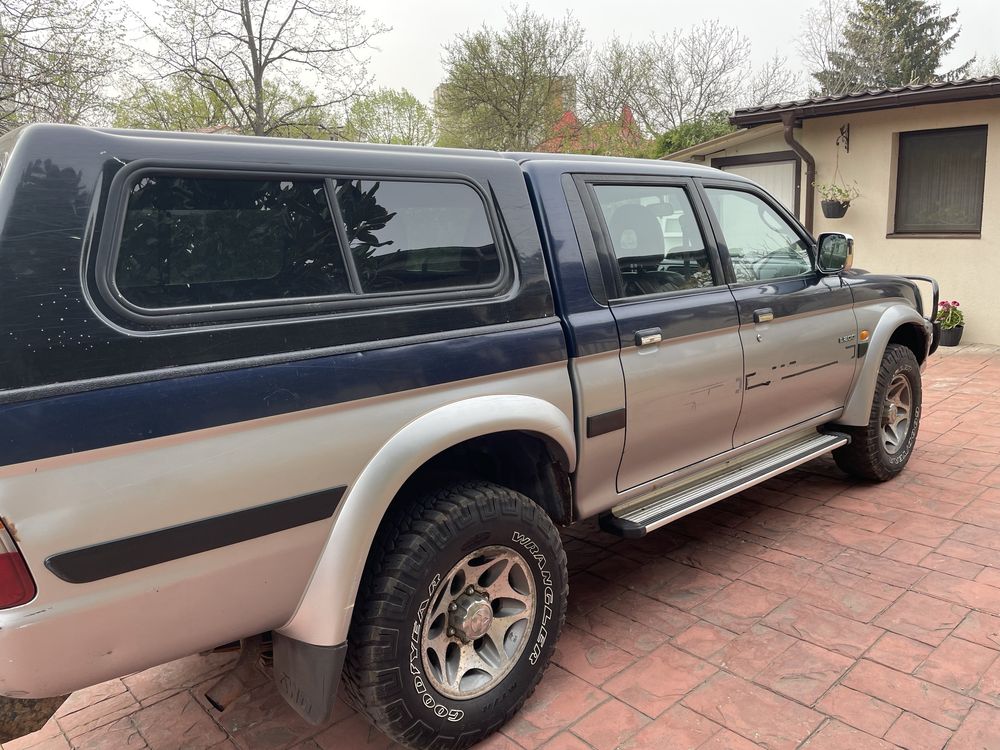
point(836, 252)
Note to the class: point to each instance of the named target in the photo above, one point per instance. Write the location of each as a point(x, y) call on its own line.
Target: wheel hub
point(897, 414)
point(471, 616)
point(891, 413)
point(476, 626)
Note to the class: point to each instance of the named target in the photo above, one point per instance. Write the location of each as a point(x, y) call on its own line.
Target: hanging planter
point(836, 199)
point(834, 209)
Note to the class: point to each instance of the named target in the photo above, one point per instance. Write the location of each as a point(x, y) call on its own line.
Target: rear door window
point(196, 241)
point(417, 236)
point(656, 239)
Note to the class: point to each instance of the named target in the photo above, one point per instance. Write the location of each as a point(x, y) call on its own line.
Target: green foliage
point(949, 316)
point(839, 193)
point(57, 59)
point(180, 104)
point(390, 116)
point(173, 105)
point(889, 43)
point(505, 88)
point(693, 132)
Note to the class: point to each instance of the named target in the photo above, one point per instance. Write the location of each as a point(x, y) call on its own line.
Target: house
point(569, 135)
point(926, 160)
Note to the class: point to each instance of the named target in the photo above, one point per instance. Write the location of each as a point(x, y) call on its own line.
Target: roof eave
point(869, 103)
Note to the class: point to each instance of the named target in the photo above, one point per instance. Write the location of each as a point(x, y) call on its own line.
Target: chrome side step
point(633, 520)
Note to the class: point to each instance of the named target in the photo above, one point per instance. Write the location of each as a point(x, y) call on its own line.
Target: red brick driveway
point(809, 612)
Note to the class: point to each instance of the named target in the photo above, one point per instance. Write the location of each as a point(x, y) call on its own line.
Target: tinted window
point(655, 237)
point(940, 180)
point(202, 240)
point(411, 236)
point(761, 243)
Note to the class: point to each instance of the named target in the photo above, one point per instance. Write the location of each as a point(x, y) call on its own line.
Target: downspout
point(788, 120)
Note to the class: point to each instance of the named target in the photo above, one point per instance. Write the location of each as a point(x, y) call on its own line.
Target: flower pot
point(951, 336)
point(834, 209)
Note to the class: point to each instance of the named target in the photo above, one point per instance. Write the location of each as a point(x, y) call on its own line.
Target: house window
point(939, 182)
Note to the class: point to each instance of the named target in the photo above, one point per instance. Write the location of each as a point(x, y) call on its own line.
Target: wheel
point(457, 615)
point(880, 449)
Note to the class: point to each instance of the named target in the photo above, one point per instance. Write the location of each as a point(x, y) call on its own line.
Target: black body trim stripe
point(811, 369)
point(609, 421)
point(107, 559)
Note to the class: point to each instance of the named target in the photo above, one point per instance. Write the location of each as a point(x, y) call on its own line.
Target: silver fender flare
point(324, 612)
point(859, 401)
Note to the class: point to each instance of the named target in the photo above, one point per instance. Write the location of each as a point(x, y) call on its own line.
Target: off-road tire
point(865, 456)
point(384, 674)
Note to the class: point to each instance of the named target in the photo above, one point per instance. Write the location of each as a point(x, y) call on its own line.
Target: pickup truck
point(346, 395)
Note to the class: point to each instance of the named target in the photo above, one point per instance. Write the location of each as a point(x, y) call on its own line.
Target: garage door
point(777, 178)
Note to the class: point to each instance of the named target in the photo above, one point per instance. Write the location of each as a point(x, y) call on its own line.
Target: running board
point(633, 520)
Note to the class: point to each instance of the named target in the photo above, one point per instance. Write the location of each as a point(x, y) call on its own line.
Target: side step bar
point(634, 519)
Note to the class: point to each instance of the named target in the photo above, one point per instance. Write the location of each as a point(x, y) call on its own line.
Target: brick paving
point(811, 612)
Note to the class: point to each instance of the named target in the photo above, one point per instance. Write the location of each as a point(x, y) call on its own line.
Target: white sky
point(410, 55)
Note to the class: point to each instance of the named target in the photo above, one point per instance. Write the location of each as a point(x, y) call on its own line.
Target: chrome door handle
point(648, 336)
point(764, 315)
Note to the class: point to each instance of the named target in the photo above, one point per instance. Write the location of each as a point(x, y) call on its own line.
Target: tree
point(614, 77)
point(772, 82)
point(179, 104)
point(693, 132)
point(251, 56)
point(175, 104)
point(505, 88)
point(890, 43)
point(684, 77)
point(987, 68)
point(696, 72)
point(56, 59)
point(822, 34)
point(390, 116)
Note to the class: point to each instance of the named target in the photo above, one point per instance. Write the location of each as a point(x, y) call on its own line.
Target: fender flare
point(859, 402)
point(323, 615)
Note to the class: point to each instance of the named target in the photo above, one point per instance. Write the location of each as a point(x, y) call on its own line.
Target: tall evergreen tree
point(889, 43)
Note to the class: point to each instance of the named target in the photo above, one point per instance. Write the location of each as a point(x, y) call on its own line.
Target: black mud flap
point(21, 716)
point(307, 676)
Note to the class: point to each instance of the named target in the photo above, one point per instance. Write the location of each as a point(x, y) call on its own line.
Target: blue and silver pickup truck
point(347, 394)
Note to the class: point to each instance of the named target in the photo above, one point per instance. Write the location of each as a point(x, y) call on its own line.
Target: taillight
point(16, 584)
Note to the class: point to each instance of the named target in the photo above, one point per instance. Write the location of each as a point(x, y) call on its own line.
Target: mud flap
point(307, 676)
point(21, 716)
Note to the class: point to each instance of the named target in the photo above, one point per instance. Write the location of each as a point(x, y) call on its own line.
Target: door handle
point(648, 336)
point(763, 315)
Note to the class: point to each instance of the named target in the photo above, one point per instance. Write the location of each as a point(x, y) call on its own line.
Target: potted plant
point(952, 322)
point(836, 199)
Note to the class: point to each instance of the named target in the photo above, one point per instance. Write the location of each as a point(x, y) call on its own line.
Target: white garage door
point(777, 178)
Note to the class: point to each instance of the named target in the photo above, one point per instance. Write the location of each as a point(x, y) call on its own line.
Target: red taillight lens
point(16, 584)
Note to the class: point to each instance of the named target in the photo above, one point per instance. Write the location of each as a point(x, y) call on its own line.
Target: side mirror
point(836, 252)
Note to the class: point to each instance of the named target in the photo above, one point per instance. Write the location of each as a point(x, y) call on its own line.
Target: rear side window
point(417, 236)
point(207, 240)
point(656, 239)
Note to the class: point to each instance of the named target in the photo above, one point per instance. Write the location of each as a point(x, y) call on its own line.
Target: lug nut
point(470, 590)
point(452, 607)
point(451, 631)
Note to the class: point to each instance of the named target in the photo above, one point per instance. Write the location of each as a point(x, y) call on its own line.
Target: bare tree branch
point(252, 55)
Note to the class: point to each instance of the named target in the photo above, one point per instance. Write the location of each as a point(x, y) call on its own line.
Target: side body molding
point(324, 612)
point(882, 319)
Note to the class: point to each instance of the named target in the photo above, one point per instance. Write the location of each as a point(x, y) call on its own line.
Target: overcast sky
point(410, 55)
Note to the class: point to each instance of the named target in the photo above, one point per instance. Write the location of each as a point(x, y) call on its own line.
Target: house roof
point(864, 101)
point(722, 142)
